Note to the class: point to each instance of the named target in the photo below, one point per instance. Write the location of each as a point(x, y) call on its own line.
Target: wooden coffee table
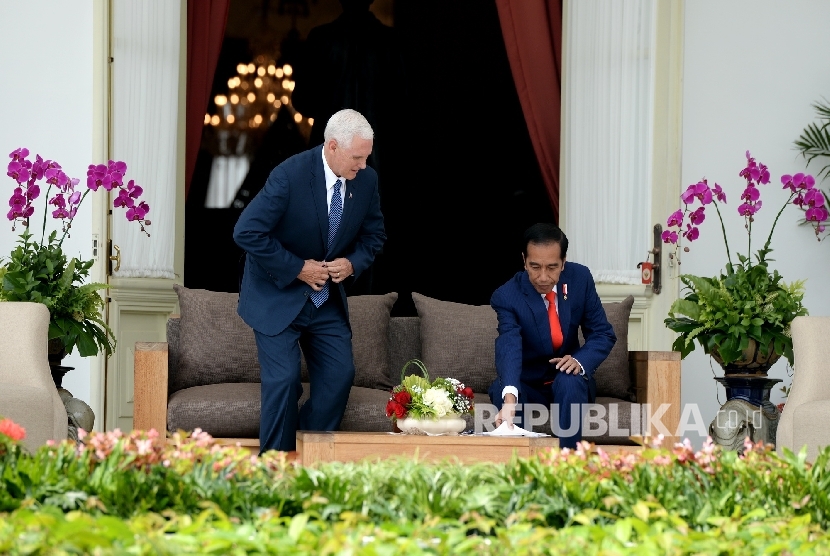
point(354, 446)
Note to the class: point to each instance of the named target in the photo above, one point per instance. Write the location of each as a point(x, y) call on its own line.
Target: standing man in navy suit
point(316, 223)
point(538, 356)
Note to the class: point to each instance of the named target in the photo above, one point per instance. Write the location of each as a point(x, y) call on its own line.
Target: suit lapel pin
point(350, 195)
point(565, 291)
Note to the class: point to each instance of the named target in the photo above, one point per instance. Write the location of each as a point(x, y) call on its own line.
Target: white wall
point(46, 106)
point(752, 69)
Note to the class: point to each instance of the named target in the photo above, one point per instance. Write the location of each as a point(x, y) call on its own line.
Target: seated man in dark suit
point(538, 356)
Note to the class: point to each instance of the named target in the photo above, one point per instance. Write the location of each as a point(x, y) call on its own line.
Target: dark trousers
point(326, 340)
point(565, 391)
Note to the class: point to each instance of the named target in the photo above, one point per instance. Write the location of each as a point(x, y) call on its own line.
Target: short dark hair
point(544, 233)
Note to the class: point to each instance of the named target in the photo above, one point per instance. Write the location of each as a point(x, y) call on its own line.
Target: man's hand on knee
point(567, 364)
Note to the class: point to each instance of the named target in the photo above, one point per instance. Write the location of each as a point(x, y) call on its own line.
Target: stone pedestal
point(747, 413)
point(80, 415)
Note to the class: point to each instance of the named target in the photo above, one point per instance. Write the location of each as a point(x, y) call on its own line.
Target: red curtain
point(532, 32)
point(205, 32)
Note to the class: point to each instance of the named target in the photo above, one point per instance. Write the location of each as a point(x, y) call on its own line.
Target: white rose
point(439, 400)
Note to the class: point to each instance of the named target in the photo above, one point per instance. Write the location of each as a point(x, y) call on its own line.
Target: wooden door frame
point(646, 328)
point(138, 295)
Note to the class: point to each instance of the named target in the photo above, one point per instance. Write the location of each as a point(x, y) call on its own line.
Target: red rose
point(468, 392)
point(396, 409)
point(400, 411)
point(402, 397)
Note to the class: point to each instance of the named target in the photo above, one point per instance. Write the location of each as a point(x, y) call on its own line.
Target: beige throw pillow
point(612, 376)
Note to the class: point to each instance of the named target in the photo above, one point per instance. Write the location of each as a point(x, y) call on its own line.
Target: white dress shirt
point(331, 179)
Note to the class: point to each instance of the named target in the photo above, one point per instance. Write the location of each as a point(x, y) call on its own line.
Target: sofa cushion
point(366, 411)
point(215, 344)
point(612, 376)
point(404, 344)
point(369, 316)
point(228, 410)
point(458, 341)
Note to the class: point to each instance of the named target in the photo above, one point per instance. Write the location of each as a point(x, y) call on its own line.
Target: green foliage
point(814, 141)
point(145, 495)
point(725, 312)
point(41, 273)
point(211, 531)
point(130, 476)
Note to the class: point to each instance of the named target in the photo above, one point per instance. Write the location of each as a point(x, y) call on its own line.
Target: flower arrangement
point(40, 271)
point(418, 398)
point(747, 308)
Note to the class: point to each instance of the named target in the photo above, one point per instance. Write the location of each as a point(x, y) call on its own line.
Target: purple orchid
point(803, 194)
point(816, 214)
point(799, 200)
point(676, 219)
point(95, 176)
point(67, 199)
point(134, 190)
point(691, 233)
point(754, 172)
point(814, 198)
point(123, 199)
point(18, 172)
point(748, 210)
point(719, 194)
point(700, 191)
point(751, 194)
point(697, 216)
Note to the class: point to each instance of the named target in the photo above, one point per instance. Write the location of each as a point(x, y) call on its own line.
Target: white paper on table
point(505, 430)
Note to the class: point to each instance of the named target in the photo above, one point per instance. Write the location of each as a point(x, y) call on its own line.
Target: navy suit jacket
point(286, 223)
point(524, 346)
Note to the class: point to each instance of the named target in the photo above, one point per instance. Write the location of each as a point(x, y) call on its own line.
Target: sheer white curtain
point(607, 132)
point(226, 175)
point(145, 90)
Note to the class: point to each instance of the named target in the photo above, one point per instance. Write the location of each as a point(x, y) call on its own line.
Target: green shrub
point(144, 490)
point(210, 531)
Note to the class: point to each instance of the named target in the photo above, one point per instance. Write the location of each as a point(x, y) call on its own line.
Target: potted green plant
point(742, 316)
point(39, 270)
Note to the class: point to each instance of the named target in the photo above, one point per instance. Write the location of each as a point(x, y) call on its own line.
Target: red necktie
point(553, 318)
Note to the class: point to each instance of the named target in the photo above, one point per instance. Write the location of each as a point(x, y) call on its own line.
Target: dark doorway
point(458, 175)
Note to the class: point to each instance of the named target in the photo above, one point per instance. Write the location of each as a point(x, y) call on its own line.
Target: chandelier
point(255, 96)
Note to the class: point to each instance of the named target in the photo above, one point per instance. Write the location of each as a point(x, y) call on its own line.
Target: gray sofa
point(206, 375)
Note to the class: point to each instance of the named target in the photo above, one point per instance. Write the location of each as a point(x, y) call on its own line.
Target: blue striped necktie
point(335, 214)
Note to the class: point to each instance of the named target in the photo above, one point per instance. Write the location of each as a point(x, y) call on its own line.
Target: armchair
point(806, 417)
point(28, 394)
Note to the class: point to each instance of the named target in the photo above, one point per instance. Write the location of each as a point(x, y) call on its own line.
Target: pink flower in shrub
point(12, 429)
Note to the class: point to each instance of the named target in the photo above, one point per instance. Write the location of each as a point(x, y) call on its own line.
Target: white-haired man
point(315, 224)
